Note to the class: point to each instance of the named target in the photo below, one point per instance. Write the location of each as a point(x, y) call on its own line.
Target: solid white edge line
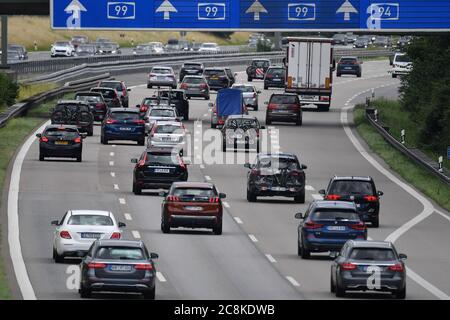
point(309, 188)
point(136, 234)
point(317, 196)
point(160, 277)
point(253, 238)
point(15, 249)
point(238, 220)
point(270, 258)
point(442, 214)
point(293, 281)
point(226, 204)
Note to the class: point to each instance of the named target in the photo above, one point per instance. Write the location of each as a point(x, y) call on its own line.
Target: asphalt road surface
point(256, 257)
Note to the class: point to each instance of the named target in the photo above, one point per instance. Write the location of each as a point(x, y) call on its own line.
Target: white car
point(157, 113)
point(62, 49)
point(157, 47)
point(78, 229)
point(209, 47)
point(249, 93)
point(401, 65)
point(167, 134)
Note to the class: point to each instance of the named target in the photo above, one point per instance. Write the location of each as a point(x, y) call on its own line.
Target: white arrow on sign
point(75, 7)
point(346, 9)
point(256, 8)
point(167, 8)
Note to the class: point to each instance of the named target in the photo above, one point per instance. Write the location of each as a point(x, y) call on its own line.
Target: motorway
point(256, 257)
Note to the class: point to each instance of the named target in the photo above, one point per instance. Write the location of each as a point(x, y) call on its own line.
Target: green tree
point(8, 91)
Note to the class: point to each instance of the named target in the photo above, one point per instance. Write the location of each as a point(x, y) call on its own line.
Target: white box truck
point(309, 63)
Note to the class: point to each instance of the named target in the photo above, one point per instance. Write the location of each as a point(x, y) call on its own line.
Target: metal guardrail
point(418, 158)
point(21, 108)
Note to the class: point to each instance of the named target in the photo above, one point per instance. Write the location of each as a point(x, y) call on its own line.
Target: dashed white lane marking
point(202, 166)
point(122, 201)
point(116, 187)
point(111, 154)
point(317, 196)
point(111, 163)
point(253, 238)
point(208, 178)
point(136, 234)
point(160, 277)
point(238, 220)
point(309, 188)
point(113, 145)
point(226, 204)
point(270, 258)
point(293, 281)
point(205, 115)
point(113, 174)
point(127, 216)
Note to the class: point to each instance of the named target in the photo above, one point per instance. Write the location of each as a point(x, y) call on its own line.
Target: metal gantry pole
point(4, 64)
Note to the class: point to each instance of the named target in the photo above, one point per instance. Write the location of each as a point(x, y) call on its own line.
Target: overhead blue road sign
point(263, 15)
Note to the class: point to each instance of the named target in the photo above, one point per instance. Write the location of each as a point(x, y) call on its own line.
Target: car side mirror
point(247, 165)
point(55, 223)
point(380, 193)
point(138, 106)
point(402, 256)
point(266, 103)
point(262, 127)
point(39, 135)
point(154, 255)
point(134, 160)
point(258, 92)
point(322, 191)
point(146, 118)
point(83, 135)
point(304, 166)
point(163, 193)
point(128, 90)
point(122, 225)
point(222, 195)
point(210, 105)
point(299, 215)
point(334, 254)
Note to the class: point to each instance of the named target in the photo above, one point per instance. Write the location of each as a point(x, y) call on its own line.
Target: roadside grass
point(426, 182)
point(27, 91)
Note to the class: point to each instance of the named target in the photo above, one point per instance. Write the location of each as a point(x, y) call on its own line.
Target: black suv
point(217, 78)
point(76, 113)
point(257, 69)
point(349, 65)
point(60, 141)
point(284, 107)
point(241, 130)
point(158, 168)
point(179, 99)
point(279, 174)
point(275, 77)
point(361, 191)
point(191, 69)
point(96, 103)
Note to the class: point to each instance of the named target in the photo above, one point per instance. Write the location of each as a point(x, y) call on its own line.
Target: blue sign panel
point(268, 15)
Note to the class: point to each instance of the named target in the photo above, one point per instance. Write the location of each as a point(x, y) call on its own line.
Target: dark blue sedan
point(327, 225)
point(123, 124)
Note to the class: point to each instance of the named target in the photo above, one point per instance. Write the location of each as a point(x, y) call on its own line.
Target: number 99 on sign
point(211, 11)
point(121, 10)
point(301, 11)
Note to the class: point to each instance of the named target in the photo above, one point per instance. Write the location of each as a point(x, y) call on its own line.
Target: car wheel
point(401, 294)
point(141, 142)
point(376, 222)
point(332, 286)
point(359, 75)
point(299, 121)
point(90, 132)
point(79, 158)
point(268, 121)
point(104, 140)
point(149, 295)
point(224, 147)
point(266, 87)
point(207, 97)
point(300, 198)
point(394, 75)
point(186, 116)
point(149, 86)
point(338, 74)
point(58, 258)
point(251, 197)
point(249, 79)
point(339, 291)
point(136, 189)
point(255, 108)
point(84, 292)
point(304, 253)
point(41, 157)
point(165, 227)
point(218, 229)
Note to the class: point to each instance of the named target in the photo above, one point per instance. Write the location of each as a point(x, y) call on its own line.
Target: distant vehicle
point(327, 225)
point(185, 45)
point(143, 49)
point(76, 113)
point(108, 48)
point(241, 131)
point(284, 107)
point(160, 113)
point(196, 46)
point(309, 71)
point(250, 94)
point(167, 134)
point(13, 57)
point(350, 37)
point(217, 78)
point(209, 47)
point(349, 65)
point(121, 89)
point(192, 205)
point(161, 76)
point(361, 191)
point(102, 40)
point(149, 102)
point(157, 47)
point(339, 39)
point(277, 174)
point(191, 69)
point(355, 263)
point(401, 65)
point(230, 75)
point(158, 168)
point(110, 95)
point(382, 41)
point(362, 42)
point(179, 99)
point(84, 50)
point(78, 229)
point(257, 69)
point(275, 77)
point(123, 124)
point(96, 102)
point(21, 50)
point(78, 40)
point(403, 42)
point(119, 266)
point(62, 141)
point(62, 49)
point(195, 86)
point(172, 45)
point(228, 102)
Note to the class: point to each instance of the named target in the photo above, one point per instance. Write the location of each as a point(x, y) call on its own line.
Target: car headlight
point(114, 51)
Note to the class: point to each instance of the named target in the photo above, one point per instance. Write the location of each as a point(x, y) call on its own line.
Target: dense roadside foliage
point(425, 92)
point(8, 91)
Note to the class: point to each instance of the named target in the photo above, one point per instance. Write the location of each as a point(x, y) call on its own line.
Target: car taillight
point(184, 86)
point(44, 139)
point(271, 106)
point(173, 198)
point(100, 106)
point(124, 91)
point(203, 85)
point(65, 235)
point(214, 200)
point(358, 226)
point(96, 265)
point(143, 266)
point(371, 198)
point(332, 197)
point(313, 225)
point(110, 121)
point(294, 106)
point(143, 108)
point(77, 140)
point(116, 235)
point(348, 266)
point(255, 172)
point(140, 121)
point(397, 267)
point(324, 98)
point(182, 164)
point(269, 76)
point(151, 75)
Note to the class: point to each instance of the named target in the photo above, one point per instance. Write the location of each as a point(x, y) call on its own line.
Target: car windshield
point(194, 192)
point(284, 99)
point(334, 215)
point(244, 88)
point(339, 37)
point(192, 66)
point(143, 47)
point(161, 71)
point(214, 72)
point(276, 71)
point(112, 85)
point(373, 254)
point(62, 132)
point(86, 48)
point(107, 94)
point(209, 45)
point(193, 80)
point(162, 113)
point(119, 253)
point(351, 187)
point(261, 64)
point(162, 159)
point(278, 163)
point(172, 41)
point(168, 129)
point(123, 115)
point(89, 99)
point(241, 123)
point(62, 44)
point(89, 220)
point(402, 58)
point(174, 95)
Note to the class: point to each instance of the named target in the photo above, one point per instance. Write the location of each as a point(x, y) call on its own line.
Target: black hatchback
point(158, 168)
point(361, 191)
point(60, 141)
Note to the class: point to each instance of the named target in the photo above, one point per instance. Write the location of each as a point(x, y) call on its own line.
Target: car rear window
point(193, 80)
point(108, 94)
point(278, 163)
point(62, 132)
point(402, 58)
point(334, 215)
point(88, 98)
point(375, 254)
point(162, 113)
point(174, 95)
point(283, 99)
point(119, 253)
point(123, 115)
point(90, 220)
point(351, 187)
point(161, 71)
point(348, 60)
point(192, 193)
point(214, 72)
point(276, 71)
point(162, 158)
point(112, 85)
point(192, 66)
point(261, 64)
point(244, 88)
point(167, 128)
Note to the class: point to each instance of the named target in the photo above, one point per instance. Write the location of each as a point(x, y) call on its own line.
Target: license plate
point(214, 78)
point(90, 235)
point(278, 189)
point(120, 268)
point(348, 68)
point(64, 143)
point(276, 79)
point(336, 228)
point(309, 98)
point(191, 208)
point(162, 170)
point(125, 129)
